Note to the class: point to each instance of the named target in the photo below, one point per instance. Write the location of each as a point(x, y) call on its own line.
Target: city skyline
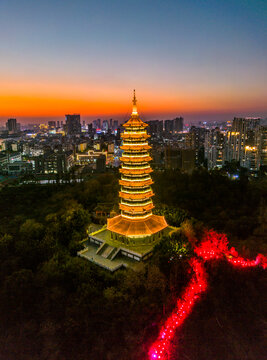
point(189, 118)
point(202, 61)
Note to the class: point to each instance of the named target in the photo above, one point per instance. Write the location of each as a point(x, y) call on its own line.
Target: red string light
point(213, 247)
point(184, 305)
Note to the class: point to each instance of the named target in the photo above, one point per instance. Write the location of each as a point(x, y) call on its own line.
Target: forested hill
point(57, 306)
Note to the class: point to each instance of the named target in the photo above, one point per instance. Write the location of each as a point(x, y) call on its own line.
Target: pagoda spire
point(134, 112)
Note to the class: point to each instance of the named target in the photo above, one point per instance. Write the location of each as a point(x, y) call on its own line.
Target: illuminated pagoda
point(130, 236)
point(136, 220)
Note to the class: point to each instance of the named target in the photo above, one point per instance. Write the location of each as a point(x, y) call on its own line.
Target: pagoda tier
point(134, 195)
point(136, 136)
point(137, 208)
point(137, 171)
point(136, 205)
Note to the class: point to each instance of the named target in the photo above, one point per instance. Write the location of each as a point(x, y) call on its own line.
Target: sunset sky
point(202, 59)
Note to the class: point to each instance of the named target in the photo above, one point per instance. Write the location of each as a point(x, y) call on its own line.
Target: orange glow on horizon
point(117, 104)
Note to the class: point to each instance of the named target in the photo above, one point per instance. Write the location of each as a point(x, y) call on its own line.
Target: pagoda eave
point(136, 147)
point(136, 171)
point(135, 123)
point(137, 228)
point(135, 184)
point(136, 159)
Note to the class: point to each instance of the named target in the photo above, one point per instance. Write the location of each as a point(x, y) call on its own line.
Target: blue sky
point(182, 56)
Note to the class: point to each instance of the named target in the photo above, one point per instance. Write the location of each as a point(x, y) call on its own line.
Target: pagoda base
point(112, 251)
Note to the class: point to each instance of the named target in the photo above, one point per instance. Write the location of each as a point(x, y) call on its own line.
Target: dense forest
point(57, 306)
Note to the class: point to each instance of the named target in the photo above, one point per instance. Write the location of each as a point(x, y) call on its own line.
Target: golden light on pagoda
point(136, 218)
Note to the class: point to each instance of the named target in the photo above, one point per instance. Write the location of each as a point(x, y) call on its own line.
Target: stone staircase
point(106, 251)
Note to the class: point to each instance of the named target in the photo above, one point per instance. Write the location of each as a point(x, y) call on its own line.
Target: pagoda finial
point(134, 98)
point(134, 112)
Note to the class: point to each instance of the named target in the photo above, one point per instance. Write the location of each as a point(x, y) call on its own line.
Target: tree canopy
point(57, 306)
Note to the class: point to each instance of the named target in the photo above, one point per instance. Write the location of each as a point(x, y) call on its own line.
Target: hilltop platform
point(111, 254)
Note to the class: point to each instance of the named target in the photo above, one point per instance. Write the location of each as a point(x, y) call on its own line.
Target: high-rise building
point(97, 124)
point(51, 124)
point(11, 125)
point(73, 124)
point(118, 134)
point(155, 127)
point(115, 125)
point(174, 126)
point(90, 128)
point(195, 139)
point(178, 124)
point(243, 141)
point(94, 123)
point(263, 145)
point(105, 125)
point(251, 158)
point(214, 146)
point(168, 126)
